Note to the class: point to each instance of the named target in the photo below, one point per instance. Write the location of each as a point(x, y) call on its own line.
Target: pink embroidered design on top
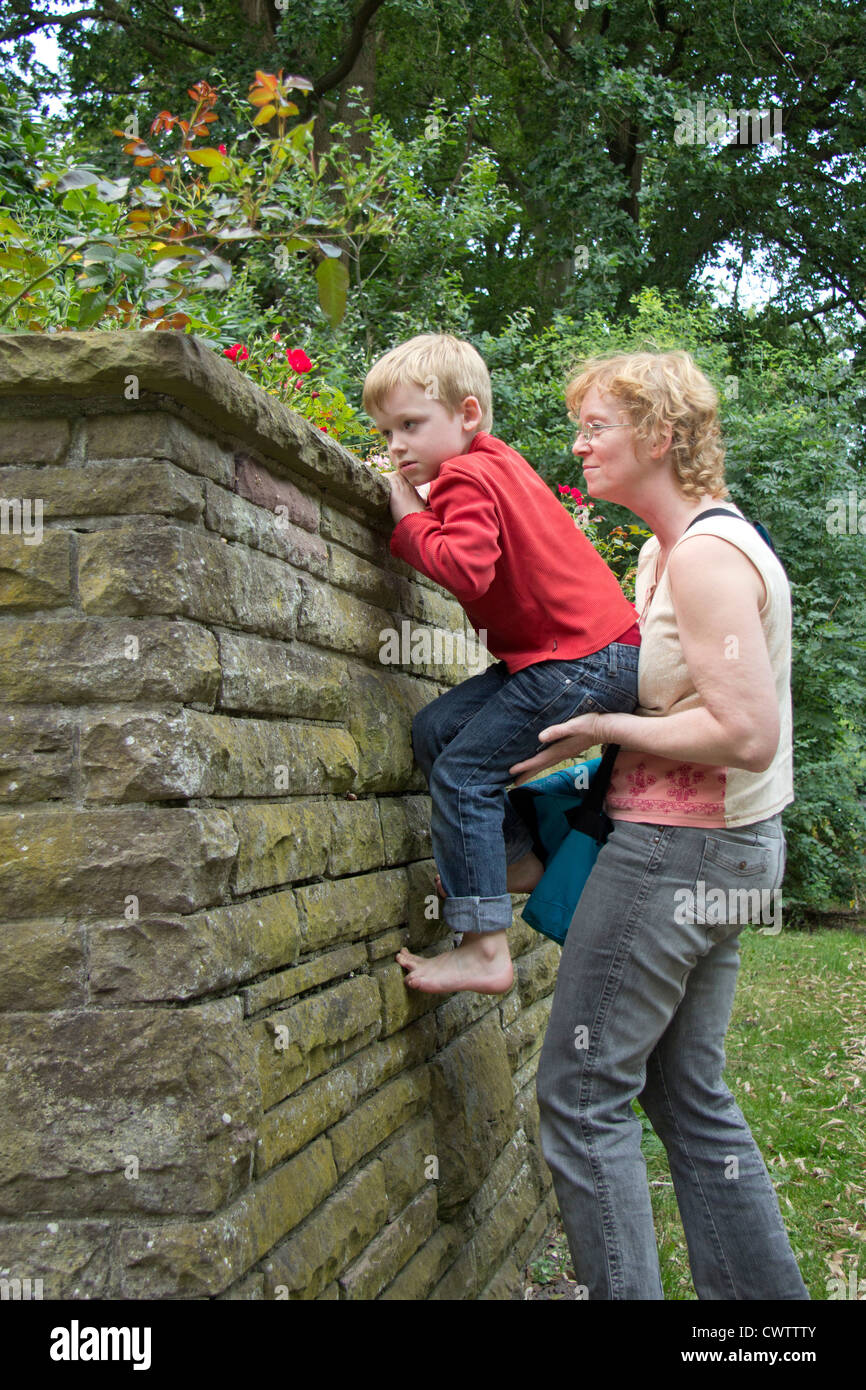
point(640, 780)
point(682, 782)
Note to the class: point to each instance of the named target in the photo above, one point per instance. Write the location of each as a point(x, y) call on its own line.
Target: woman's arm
point(716, 593)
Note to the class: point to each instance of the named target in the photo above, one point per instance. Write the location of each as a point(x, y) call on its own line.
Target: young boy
point(493, 534)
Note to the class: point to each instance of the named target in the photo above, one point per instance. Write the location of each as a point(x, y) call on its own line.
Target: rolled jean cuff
point(478, 914)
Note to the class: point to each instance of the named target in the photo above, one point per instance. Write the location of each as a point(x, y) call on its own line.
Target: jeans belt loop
point(611, 658)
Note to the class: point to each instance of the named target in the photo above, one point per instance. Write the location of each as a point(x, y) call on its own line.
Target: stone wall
point(213, 841)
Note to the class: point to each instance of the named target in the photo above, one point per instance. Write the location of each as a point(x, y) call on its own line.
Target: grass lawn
point(796, 1056)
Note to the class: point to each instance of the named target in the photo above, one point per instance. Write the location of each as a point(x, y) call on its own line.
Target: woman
point(647, 975)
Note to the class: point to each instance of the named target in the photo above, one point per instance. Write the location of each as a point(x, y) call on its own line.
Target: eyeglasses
point(588, 432)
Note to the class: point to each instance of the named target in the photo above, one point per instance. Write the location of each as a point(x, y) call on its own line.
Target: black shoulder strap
point(588, 817)
point(725, 511)
point(713, 511)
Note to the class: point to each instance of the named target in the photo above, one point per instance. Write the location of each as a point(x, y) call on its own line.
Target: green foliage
point(150, 250)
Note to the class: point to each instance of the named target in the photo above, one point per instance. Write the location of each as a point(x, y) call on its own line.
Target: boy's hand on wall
point(404, 498)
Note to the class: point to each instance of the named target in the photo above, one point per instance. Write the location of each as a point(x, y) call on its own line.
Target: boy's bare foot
point(521, 876)
point(482, 962)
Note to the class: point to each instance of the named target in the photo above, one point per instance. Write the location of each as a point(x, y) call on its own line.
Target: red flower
point(562, 487)
point(222, 149)
point(276, 336)
point(298, 360)
point(577, 494)
point(323, 429)
point(234, 352)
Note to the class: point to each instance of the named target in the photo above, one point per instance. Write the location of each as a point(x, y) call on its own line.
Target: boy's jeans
point(465, 743)
point(643, 996)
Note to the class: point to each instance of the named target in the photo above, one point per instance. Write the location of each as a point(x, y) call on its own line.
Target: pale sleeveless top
point(648, 788)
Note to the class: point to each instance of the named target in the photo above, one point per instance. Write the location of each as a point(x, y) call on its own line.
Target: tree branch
point(30, 23)
point(109, 13)
point(335, 75)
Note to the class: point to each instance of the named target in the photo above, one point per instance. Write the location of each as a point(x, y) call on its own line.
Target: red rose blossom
point(222, 149)
point(562, 487)
point(577, 494)
point(234, 352)
point(298, 360)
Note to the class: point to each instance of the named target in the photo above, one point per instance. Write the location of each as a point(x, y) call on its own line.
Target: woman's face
point(611, 466)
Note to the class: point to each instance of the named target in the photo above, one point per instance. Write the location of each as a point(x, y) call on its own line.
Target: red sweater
point(496, 537)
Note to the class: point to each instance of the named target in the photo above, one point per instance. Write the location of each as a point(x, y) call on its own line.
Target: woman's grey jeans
point(642, 1003)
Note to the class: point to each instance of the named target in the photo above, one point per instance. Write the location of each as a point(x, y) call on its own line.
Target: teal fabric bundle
point(568, 827)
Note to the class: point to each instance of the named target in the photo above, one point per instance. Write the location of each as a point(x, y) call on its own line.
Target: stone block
point(376, 1119)
point(42, 965)
point(98, 490)
point(410, 1161)
point(318, 971)
point(25, 441)
point(269, 491)
point(281, 843)
point(86, 661)
point(103, 863)
point(302, 1266)
point(238, 520)
point(37, 755)
point(473, 1108)
point(198, 1259)
point(331, 618)
point(380, 716)
point(535, 972)
point(386, 1255)
point(426, 927)
point(405, 828)
point(358, 531)
point(35, 574)
point(172, 753)
point(300, 1042)
point(175, 957)
point(147, 434)
point(388, 944)
point(400, 1005)
point(72, 1258)
point(525, 1035)
point(348, 909)
point(288, 678)
point(356, 834)
point(381, 587)
point(127, 1111)
point(160, 569)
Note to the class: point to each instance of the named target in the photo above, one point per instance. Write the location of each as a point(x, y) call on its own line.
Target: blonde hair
point(658, 390)
point(448, 368)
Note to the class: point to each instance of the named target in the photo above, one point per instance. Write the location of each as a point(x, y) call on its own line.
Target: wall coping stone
point(185, 372)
